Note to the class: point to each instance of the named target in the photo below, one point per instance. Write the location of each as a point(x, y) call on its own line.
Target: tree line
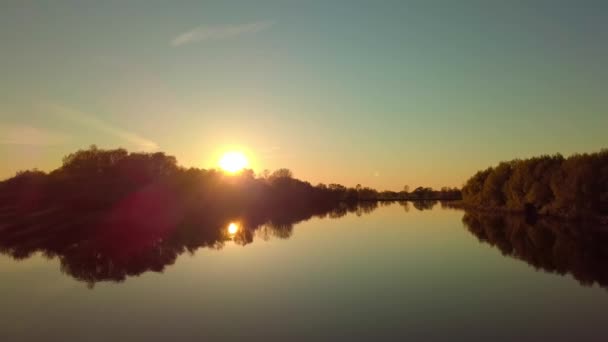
point(573, 187)
point(97, 178)
point(109, 214)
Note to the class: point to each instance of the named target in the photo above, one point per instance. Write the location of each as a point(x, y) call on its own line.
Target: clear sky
point(382, 93)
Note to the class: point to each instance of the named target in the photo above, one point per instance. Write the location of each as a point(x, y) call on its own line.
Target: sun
point(233, 228)
point(233, 162)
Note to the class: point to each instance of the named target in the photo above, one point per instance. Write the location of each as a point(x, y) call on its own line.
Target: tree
point(576, 186)
point(282, 173)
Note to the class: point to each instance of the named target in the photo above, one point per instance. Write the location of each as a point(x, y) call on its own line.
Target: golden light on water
point(233, 162)
point(233, 228)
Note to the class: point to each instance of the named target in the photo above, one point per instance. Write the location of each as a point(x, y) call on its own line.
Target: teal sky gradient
point(382, 93)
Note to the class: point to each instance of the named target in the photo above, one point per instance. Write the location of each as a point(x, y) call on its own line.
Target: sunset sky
point(382, 93)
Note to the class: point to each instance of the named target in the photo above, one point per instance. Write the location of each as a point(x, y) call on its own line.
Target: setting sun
point(233, 162)
point(233, 228)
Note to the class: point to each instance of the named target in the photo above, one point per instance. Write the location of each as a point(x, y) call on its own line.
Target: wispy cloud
point(92, 122)
point(19, 134)
point(206, 33)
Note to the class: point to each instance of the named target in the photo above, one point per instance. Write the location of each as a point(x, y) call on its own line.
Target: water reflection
point(128, 240)
point(424, 204)
point(142, 236)
point(579, 249)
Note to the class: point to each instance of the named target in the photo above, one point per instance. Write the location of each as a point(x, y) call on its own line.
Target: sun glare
point(233, 162)
point(233, 228)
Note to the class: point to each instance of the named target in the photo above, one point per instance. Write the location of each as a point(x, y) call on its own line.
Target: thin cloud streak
point(19, 134)
point(94, 123)
point(208, 33)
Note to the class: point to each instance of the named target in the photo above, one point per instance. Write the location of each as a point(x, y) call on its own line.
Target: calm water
point(388, 274)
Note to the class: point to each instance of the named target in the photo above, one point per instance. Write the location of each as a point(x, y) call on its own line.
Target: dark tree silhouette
point(573, 187)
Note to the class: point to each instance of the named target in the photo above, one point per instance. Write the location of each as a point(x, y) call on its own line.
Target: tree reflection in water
point(555, 246)
point(145, 234)
point(148, 233)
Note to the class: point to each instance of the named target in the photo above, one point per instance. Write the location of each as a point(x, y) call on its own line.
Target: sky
point(378, 93)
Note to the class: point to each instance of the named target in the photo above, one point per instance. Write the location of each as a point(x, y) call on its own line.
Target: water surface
point(393, 272)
